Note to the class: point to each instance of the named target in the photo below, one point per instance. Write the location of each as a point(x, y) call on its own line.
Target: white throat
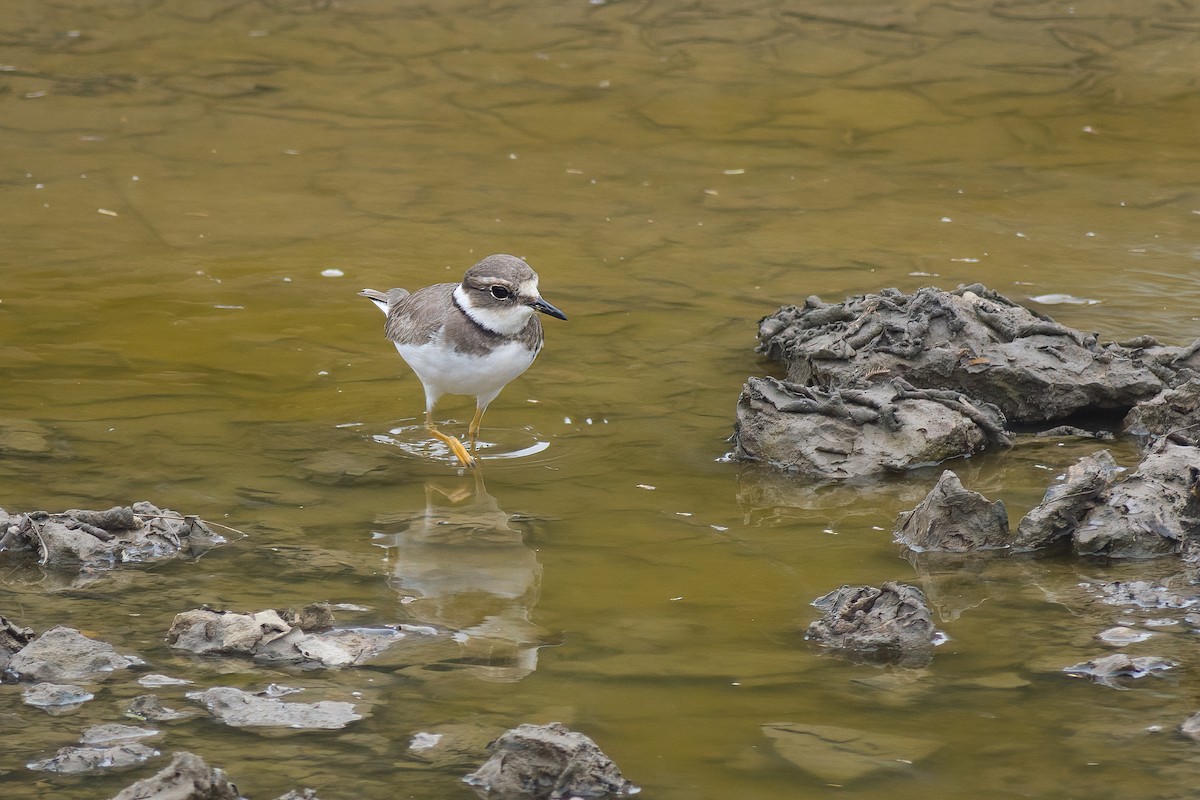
point(505, 321)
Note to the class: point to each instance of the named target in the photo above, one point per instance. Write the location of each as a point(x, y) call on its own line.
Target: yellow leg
point(455, 445)
point(473, 428)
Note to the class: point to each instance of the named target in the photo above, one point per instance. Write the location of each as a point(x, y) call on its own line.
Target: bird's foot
point(456, 447)
point(460, 452)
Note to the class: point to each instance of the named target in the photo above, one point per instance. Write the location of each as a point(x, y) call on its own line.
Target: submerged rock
point(1121, 635)
point(149, 707)
point(451, 745)
point(245, 710)
point(1142, 594)
point(187, 777)
point(141, 532)
point(541, 762)
point(76, 759)
point(65, 654)
point(1191, 726)
point(953, 519)
point(890, 623)
point(839, 755)
point(155, 680)
point(56, 696)
point(24, 437)
point(972, 340)
point(274, 637)
point(842, 433)
point(114, 732)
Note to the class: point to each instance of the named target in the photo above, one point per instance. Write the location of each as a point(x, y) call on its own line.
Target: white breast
point(447, 372)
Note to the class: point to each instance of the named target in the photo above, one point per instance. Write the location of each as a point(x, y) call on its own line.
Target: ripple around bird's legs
point(510, 443)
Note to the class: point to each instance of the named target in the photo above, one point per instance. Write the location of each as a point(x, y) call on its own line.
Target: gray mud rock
point(845, 433)
point(1106, 669)
point(187, 777)
point(240, 709)
point(541, 762)
point(891, 623)
point(1174, 414)
point(141, 532)
point(1153, 512)
point(65, 654)
point(953, 519)
point(1072, 432)
point(278, 637)
point(12, 639)
point(971, 340)
point(1065, 505)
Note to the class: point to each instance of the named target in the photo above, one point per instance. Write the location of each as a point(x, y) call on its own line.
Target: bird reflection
point(462, 565)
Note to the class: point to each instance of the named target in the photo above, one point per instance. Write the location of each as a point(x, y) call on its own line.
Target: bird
point(468, 338)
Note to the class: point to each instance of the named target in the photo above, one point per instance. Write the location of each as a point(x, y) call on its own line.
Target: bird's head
point(501, 293)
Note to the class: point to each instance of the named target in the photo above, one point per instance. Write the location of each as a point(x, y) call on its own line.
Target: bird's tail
point(383, 300)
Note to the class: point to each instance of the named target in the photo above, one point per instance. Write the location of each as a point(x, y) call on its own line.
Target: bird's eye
point(500, 293)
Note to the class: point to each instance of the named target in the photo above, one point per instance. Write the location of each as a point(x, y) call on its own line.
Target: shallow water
point(177, 177)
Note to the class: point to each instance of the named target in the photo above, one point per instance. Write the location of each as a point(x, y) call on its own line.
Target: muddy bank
point(885, 382)
point(122, 534)
point(972, 340)
point(849, 432)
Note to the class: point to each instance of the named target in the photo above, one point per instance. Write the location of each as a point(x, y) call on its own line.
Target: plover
point(468, 338)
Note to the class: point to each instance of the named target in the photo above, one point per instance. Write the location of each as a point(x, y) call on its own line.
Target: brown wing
point(417, 318)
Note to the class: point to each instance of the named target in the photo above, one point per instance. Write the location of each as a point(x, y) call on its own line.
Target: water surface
point(194, 191)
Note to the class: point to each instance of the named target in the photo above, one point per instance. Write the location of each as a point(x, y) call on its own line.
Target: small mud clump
point(891, 623)
point(546, 762)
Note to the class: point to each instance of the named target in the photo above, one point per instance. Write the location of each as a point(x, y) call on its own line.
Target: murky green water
point(176, 176)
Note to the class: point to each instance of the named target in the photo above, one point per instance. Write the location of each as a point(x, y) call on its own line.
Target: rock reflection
point(462, 564)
